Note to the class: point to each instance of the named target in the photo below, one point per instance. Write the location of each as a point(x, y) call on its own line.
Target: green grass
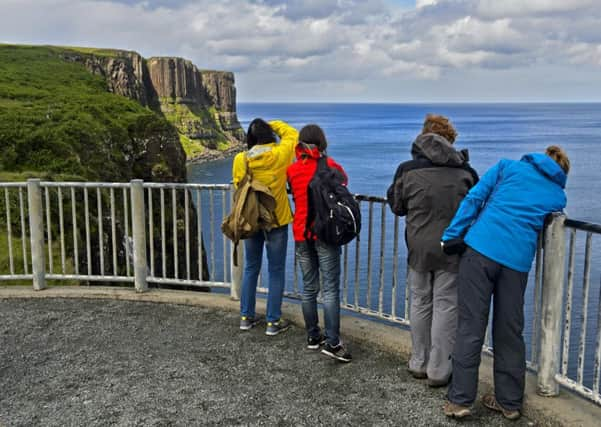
point(191, 147)
point(18, 266)
point(56, 117)
point(185, 117)
point(95, 51)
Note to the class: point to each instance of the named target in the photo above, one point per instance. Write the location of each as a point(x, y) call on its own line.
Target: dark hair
point(313, 134)
point(259, 132)
point(440, 125)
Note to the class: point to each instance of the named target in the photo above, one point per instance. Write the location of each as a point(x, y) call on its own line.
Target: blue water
point(370, 140)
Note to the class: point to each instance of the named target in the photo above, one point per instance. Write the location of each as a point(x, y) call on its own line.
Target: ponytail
point(560, 156)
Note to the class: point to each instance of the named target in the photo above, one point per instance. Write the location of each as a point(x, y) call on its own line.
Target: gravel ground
point(104, 362)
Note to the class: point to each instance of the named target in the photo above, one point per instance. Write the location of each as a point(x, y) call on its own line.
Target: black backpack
point(333, 216)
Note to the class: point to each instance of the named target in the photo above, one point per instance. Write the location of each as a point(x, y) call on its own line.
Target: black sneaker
point(274, 328)
point(246, 323)
point(338, 352)
point(313, 343)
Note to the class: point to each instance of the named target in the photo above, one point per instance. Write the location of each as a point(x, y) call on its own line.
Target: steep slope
point(67, 115)
point(55, 117)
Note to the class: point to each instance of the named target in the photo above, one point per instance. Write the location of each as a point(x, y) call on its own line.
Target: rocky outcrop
point(201, 104)
point(125, 73)
point(177, 79)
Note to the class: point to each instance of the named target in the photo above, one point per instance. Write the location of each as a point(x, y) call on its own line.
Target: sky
point(346, 50)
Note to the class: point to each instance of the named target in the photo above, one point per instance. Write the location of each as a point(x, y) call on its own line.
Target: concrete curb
point(566, 409)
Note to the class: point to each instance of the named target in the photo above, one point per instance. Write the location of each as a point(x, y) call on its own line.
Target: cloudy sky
point(346, 50)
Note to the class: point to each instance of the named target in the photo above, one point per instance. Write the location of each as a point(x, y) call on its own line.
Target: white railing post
point(36, 231)
point(138, 219)
point(237, 271)
point(551, 307)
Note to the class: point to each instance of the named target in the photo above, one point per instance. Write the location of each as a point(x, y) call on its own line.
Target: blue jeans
point(315, 259)
point(276, 242)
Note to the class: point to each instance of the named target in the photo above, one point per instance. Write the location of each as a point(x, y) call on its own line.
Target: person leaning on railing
point(498, 224)
point(427, 190)
point(268, 162)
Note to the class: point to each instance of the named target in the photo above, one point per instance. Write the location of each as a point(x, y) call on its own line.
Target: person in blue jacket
point(497, 226)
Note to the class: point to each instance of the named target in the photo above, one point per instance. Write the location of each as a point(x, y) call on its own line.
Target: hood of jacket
point(438, 150)
point(261, 156)
point(548, 167)
point(304, 151)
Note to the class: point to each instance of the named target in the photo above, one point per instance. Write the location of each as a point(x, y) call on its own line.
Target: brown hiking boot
point(456, 411)
point(490, 402)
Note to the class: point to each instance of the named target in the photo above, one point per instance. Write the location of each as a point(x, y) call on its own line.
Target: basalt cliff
point(201, 104)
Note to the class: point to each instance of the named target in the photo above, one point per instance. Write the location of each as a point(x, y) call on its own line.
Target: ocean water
point(370, 140)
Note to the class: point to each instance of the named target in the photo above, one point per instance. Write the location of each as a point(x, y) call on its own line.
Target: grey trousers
point(479, 279)
point(433, 319)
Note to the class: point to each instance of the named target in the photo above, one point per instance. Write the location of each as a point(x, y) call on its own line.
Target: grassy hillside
point(56, 117)
point(59, 122)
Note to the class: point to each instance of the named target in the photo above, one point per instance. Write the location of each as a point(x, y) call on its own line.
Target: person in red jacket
point(314, 256)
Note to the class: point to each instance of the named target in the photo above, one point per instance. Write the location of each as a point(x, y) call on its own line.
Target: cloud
point(359, 44)
point(519, 8)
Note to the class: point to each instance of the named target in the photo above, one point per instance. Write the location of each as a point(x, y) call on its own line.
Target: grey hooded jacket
point(428, 190)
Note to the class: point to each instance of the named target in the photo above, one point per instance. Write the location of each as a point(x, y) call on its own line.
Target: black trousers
point(479, 279)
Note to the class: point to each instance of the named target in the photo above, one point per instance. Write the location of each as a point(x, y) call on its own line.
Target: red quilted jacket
point(299, 176)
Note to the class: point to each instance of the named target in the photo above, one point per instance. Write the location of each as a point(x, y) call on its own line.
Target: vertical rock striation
point(125, 73)
point(201, 104)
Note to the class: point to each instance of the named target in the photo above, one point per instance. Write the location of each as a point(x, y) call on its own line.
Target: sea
point(370, 140)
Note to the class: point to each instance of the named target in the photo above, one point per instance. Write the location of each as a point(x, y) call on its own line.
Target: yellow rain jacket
point(268, 163)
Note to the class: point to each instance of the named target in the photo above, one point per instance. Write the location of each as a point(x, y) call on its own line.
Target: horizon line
point(420, 102)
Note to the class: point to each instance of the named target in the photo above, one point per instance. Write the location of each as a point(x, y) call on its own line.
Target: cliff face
point(201, 104)
point(125, 73)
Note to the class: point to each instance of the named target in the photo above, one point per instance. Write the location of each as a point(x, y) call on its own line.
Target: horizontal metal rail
point(10, 277)
point(583, 226)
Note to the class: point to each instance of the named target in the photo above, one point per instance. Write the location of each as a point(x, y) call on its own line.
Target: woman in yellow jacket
point(268, 162)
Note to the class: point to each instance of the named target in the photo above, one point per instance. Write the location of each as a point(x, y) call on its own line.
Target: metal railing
point(114, 232)
point(169, 234)
point(577, 337)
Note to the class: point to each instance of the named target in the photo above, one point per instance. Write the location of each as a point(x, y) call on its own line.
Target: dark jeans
point(318, 259)
point(276, 242)
point(480, 278)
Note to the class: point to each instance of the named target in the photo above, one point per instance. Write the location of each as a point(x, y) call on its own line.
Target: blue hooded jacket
point(502, 215)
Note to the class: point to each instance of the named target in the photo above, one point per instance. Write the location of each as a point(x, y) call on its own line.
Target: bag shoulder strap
point(321, 165)
point(247, 163)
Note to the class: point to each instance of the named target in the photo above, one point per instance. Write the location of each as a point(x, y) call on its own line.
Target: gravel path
point(104, 362)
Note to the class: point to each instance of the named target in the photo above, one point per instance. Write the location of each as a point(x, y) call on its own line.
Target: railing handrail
point(583, 226)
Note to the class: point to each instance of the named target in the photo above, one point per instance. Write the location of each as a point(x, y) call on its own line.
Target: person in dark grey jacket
point(428, 190)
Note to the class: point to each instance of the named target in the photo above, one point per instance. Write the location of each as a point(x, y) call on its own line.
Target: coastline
point(209, 155)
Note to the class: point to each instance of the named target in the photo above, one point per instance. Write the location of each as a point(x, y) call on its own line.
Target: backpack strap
point(310, 215)
point(235, 254)
point(247, 163)
point(322, 164)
